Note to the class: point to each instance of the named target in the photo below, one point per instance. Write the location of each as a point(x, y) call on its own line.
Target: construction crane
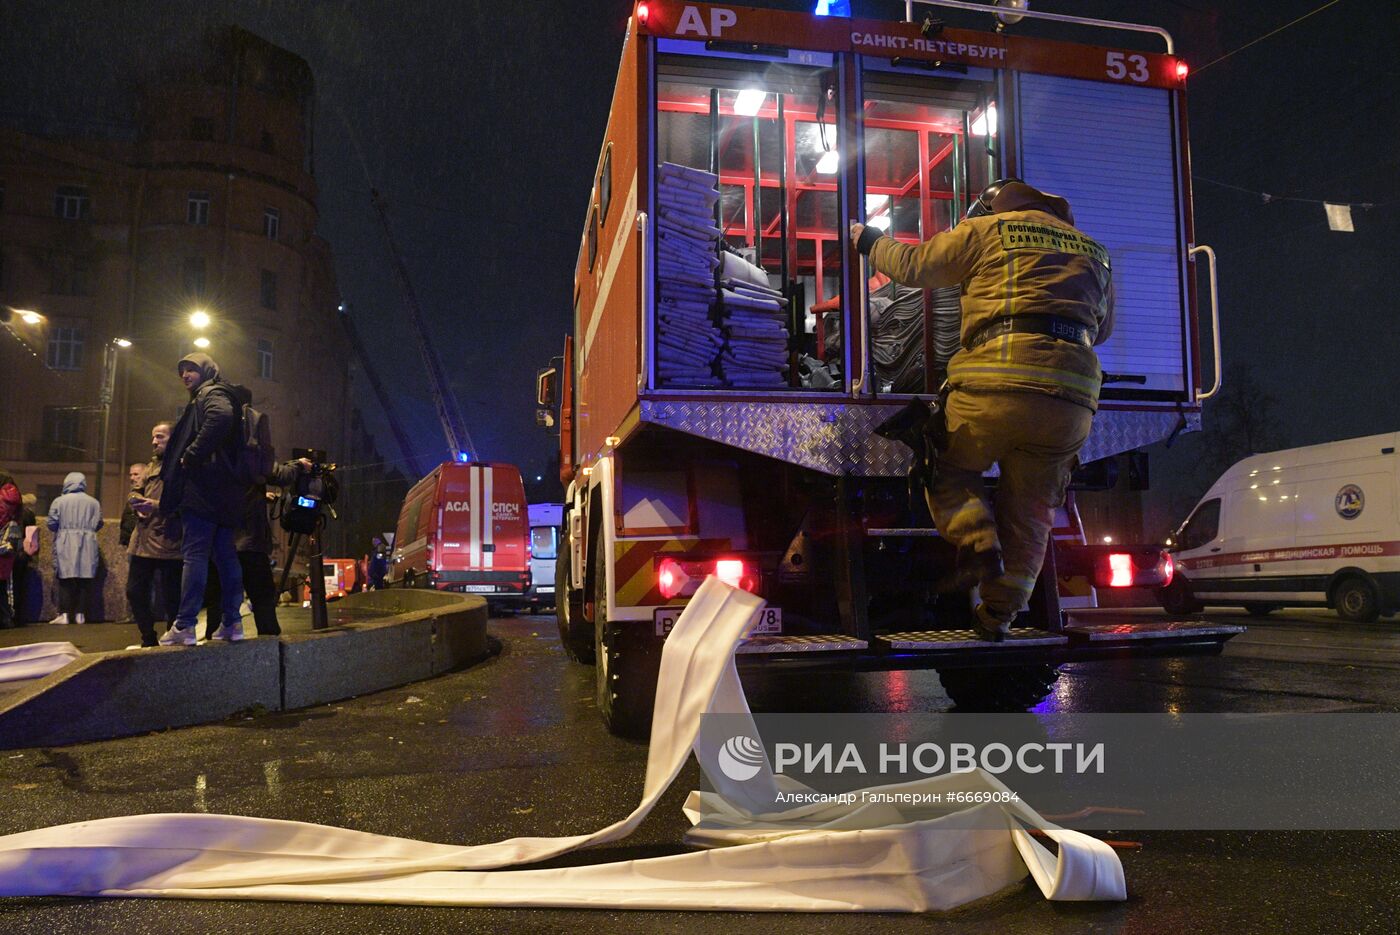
point(385, 402)
point(459, 442)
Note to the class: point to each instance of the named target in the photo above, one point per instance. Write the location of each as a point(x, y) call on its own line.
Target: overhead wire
point(1329, 3)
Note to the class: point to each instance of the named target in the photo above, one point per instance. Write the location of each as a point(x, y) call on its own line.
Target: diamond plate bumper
point(839, 437)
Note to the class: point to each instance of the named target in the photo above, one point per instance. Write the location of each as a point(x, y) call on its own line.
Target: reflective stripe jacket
point(1015, 263)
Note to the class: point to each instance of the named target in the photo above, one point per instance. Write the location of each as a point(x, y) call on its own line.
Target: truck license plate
point(545, 589)
point(770, 621)
point(479, 588)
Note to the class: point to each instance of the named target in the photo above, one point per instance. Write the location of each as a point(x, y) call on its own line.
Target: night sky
point(481, 122)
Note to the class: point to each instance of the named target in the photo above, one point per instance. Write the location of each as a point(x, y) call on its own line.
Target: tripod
point(317, 571)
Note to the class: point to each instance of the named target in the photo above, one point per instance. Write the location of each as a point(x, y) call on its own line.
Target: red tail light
point(730, 571)
point(642, 13)
point(681, 577)
point(1182, 69)
point(671, 578)
point(1141, 568)
point(1121, 569)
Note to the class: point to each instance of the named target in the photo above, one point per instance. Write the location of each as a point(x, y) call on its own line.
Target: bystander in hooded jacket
point(197, 471)
point(156, 535)
point(10, 510)
point(74, 518)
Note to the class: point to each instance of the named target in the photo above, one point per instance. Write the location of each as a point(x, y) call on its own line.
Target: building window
point(605, 186)
point(265, 359)
point(592, 238)
point(197, 208)
point(272, 223)
point(269, 289)
point(65, 348)
point(202, 129)
point(69, 274)
point(194, 275)
point(63, 428)
point(71, 203)
point(266, 144)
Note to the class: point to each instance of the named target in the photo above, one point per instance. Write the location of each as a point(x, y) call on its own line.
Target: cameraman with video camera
point(253, 542)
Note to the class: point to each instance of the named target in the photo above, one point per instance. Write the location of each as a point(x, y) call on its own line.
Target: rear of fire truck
point(731, 358)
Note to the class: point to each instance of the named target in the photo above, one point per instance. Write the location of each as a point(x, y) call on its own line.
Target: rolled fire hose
point(816, 858)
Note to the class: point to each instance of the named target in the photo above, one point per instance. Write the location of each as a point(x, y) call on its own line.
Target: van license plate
point(479, 588)
point(770, 621)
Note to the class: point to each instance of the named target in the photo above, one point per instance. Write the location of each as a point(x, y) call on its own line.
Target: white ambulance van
point(1307, 527)
point(545, 520)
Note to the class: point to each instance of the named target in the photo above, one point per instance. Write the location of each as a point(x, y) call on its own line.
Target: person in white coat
point(74, 519)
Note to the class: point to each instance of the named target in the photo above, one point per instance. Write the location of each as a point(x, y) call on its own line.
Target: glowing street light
point(201, 342)
point(30, 318)
point(104, 405)
point(199, 318)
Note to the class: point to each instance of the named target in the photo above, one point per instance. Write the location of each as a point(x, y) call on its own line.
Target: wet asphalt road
point(514, 747)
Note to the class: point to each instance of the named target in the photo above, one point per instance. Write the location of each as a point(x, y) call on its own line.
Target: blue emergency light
point(463, 457)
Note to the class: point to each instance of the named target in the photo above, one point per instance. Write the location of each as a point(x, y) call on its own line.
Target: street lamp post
point(104, 401)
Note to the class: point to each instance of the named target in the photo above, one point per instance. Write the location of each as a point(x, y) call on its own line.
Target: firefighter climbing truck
point(730, 361)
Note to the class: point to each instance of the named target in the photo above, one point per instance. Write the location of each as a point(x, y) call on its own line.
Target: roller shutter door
point(1110, 150)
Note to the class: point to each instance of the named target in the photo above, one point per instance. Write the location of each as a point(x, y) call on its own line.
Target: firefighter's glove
point(863, 237)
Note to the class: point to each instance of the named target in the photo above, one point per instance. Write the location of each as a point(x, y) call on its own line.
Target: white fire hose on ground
point(817, 858)
point(35, 660)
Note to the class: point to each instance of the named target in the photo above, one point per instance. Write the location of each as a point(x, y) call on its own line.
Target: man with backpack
point(201, 484)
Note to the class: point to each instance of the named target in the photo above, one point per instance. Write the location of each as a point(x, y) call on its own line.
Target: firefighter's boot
point(974, 567)
point(987, 627)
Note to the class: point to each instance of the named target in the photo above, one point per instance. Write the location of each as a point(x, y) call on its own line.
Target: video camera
point(312, 490)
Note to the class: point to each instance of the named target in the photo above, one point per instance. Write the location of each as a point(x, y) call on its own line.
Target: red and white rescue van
point(341, 576)
point(1317, 526)
point(745, 142)
point(464, 528)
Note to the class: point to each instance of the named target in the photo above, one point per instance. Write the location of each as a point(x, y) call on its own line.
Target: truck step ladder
point(817, 643)
point(1018, 638)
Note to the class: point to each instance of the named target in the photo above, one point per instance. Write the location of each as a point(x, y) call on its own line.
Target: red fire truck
point(730, 359)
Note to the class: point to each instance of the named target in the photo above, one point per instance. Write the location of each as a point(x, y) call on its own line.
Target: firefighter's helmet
point(1016, 195)
point(983, 204)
